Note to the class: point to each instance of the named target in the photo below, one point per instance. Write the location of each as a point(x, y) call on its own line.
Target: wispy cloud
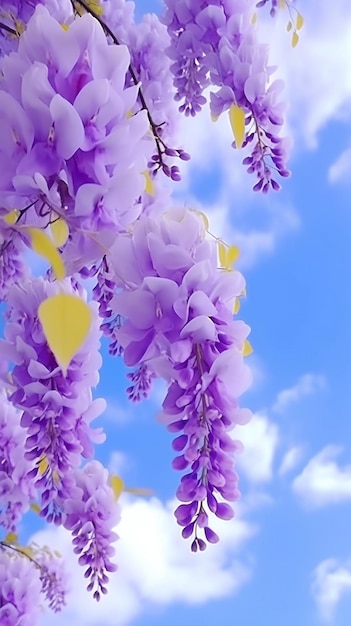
point(323, 481)
point(306, 385)
point(290, 460)
point(331, 580)
point(260, 438)
point(340, 170)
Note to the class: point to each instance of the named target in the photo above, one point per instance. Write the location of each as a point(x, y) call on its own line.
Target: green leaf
point(237, 121)
point(66, 321)
point(42, 244)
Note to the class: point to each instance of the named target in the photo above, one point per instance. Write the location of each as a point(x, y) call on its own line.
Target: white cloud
point(306, 385)
point(260, 438)
point(290, 460)
point(156, 566)
point(330, 581)
point(340, 170)
point(323, 481)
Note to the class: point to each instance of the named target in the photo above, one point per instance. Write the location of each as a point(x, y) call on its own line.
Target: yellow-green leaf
point(254, 18)
point(247, 349)
point(66, 321)
point(237, 121)
point(11, 538)
point(236, 308)
point(232, 255)
point(282, 4)
point(43, 464)
point(299, 21)
point(149, 185)
point(295, 39)
point(35, 507)
point(11, 218)
point(138, 491)
point(27, 550)
point(59, 231)
point(117, 485)
point(43, 245)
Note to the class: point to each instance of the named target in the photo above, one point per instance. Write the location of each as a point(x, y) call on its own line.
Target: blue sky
point(286, 558)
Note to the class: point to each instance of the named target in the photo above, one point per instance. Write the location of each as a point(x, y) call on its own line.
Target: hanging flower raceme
point(215, 43)
point(57, 407)
point(90, 513)
point(178, 311)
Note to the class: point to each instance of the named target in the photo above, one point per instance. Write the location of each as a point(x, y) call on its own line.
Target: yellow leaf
point(43, 465)
point(232, 255)
point(237, 121)
point(149, 185)
point(247, 349)
point(11, 538)
point(117, 485)
point(299, 21)
point(66, 321)
point(289, 26)
point(60, 232)
point(35, 507)
point(43, 245)
point(295, 39)
point(27, 551)
point(65, 26)
point(236, 308)
point(11, 218)
point(282, 4)
point(138, 492)
point(254, 18)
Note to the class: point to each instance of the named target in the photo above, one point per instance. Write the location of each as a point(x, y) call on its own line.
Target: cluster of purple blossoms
point(16, 485)
point(177, 307)
point(56, 409)
point(215, 43)
point(69, 146)
point(90, 514)
point(53, 578)
point(20, 590)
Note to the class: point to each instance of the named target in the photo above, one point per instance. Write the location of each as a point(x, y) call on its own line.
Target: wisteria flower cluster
point(88, 129)
point(215, 44)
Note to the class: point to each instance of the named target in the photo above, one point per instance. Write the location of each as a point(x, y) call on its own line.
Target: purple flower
point(177, 308)
point(16, 486)
point(20, 590)
point(91, 513)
